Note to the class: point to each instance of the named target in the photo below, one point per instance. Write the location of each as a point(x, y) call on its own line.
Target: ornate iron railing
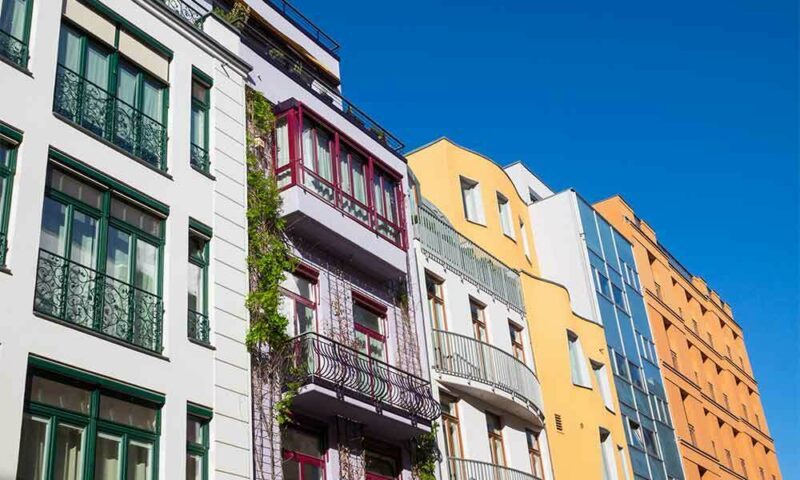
point(192, 13)
point(320, 360)
point(71, 292)
point(462, 469)
point(199, 158)
point(14, 49)
point(440, 240)
point(468, 358)
point(103, 114)
point(198, 327)
point(3, 248)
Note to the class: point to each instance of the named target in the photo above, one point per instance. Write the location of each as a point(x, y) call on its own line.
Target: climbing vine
point(425, 455)
point(236, 16)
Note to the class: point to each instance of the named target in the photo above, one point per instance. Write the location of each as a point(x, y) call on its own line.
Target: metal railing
point(14, 49)
point(198, 156)
point(74, 293)
point(440, 240)
point(323, 361)
point(303, 23)
point(3, 248)
point(462, 469)
point(103, 114)
point(198, 327)
point(293, 67)
point(188, 10)
point(465, 357)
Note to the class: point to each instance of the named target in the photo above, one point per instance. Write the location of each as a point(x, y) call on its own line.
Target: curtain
point(12, 17)
point(282, 141)
point(139, 461)
point(106, 457)
point(69, 453)
point(118, 258)
point(308, 145)
point(96, 66)
point(195, 288)
point(146, 266)
point(84, 240)
point(33, 446)
point(344, 169)
point(324, 155)
point(359, 180)
point(69, 49)
point(153, 105)
point(198, 126)
point(391, 201)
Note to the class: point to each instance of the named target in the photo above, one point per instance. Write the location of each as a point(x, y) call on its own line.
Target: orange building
point(716, 407)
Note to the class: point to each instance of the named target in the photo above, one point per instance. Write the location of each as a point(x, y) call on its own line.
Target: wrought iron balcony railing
point(73, 293)
point(188, 10)
point(468, 358)
point(198, 327)
point(103, 114)
point(13, 49)
point(198, 156)
point(461, 469)
point(322, 361)
point(440, 240)
point(3, 248)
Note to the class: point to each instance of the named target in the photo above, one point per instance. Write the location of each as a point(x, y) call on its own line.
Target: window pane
point(60, 395)
point(69, 53)
point(291, 470)
point(54, 227)
point(152, 103)
point(366, 318)
point(380, 464)
point(194, 431)
point(107, 457)
point(197, 247)
point(135, 217)
point(198, 126)
point(127, 413)
point(146, 266)
point(118, 256)
point(33, 448)
point(199, 91)
point(311, 472)
point(75, 188)
point(84, 240)
point(195, 288)
point(302, 441)
point(140, 461)
point(305, 318)
point(96, 65)
point(282, 146)
point(377, 349)
point(194, 467)
point(69, 452)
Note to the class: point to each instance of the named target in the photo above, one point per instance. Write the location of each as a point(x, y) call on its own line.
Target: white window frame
point(506, 219)
point(578, 367)
point(601, 375)
point(525, 245)
point(609, 462)
point(473, 201)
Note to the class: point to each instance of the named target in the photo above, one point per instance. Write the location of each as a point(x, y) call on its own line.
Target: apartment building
point(482, 362)
point(353, 300)
point(482, 204)
point(719, 419)
point(123, 243)
point(579, 249)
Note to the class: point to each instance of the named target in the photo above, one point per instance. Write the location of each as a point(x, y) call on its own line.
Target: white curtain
point(146, 266)
point(195, 288)
point(139, 467)
point(107, 453)
point(324, 155)
point(69, 49)
point(282, 141)
point(84, 240)
point(198, 126)
point(153, 105)
point(97, 66)
point(344, 169)
point(12, 17)
point(69, 453)
point(118, 258)
point(308, 145)
point(359, 181)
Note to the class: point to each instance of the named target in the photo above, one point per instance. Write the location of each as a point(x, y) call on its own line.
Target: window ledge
point(14, 65)
point(510, 237)
point(202, 344)
point(582, 386)
point(203, 173)
point(101, 336)
point(6, 270)
point(113, 146)
point(475, 222)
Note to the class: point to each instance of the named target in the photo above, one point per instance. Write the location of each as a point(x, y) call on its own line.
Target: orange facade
point(716, 407)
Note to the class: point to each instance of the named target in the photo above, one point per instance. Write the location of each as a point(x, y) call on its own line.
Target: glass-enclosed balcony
point(440, 240)
point(462, 469)
point(71, 292)
point(332, 365)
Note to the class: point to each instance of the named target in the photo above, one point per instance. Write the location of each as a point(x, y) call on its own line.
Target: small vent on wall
point(559, 423)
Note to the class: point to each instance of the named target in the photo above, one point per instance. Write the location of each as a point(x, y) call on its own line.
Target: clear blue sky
point(605, 97)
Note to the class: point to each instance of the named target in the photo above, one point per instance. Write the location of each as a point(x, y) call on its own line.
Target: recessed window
point(197, 444)
point(517, 345)
point(299, 292)
point(8, 157)
point(525, 246)
point(478, 315)
point(650, 442)
point(452, 428)
point(601, 375)
point(198, 326)
point(435, 290)
point(303, 454)
point(494, 427)
point(637, 437)
point(577, 362)
point(504, 211)
point(532, 197)
point(607, 454)
point(369, 328)
point(201, 94)
point(535, 453)
point(380, 464)
point(471, 197)
point(15, 30)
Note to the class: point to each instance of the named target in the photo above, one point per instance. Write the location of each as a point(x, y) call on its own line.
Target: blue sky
point(605, 97)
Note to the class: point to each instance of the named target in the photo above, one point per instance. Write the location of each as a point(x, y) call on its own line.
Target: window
point(14, 30)
point(494, 428)
point(201, 102)
point(578, 370)
point(197, 443)
point(452, 429)
point(637, 437)
point(622, 365)
point(435, 290)
point(650, 442)
point(504, 210)
point(477, 314)
point(369, 319)
point(303, 454)
point(535, 454)
point(385, 191)
point(532, 197)
point(198, 327)
point(517, 346)
point(78, 216)
point(299, 291)
point(70, 427)
point(607, 455)
point(525, 246)
point(353, 180)
point(110, 96)
point(318, 147)
point(471, 196)
point(601, 375)
point(8, 160)
point(380, 464)
point(602, 283)
point(619, 297)
point(637, 378)
point(631, 277)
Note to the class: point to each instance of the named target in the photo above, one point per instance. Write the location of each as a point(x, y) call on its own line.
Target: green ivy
point(425, 454)
point(269, 255)
point(236, 16)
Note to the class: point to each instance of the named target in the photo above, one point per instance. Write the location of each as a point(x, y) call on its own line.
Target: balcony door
point(373, 376)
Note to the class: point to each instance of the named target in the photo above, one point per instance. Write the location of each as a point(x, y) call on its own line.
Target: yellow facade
point(575, 446)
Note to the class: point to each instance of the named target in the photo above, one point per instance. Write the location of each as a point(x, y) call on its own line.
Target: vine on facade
point(425, 455)
point(236, 16)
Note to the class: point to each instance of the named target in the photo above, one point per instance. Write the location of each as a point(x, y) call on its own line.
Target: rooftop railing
point(323, 361)
point(440, 240)
point(189, 10)
point(462, 469)
point(303, 23)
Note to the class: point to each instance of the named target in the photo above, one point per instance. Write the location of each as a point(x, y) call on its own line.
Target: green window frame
point(79, 426)
point(109, 96)
point(198, 327)
point(10, 140)
point(15, 31)
point(100, 268)
point(199, 155)
point(198, 420)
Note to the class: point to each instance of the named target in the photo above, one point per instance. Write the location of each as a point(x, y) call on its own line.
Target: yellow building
point(481, 201)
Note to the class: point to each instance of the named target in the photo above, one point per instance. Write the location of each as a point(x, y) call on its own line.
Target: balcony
point(102, 114)
point(461, 469)
point(70, 292)
point(303, 23)
point(13, 49)
point(198, 327)
point(441, 241)
point(478, 362)
point(352, 384)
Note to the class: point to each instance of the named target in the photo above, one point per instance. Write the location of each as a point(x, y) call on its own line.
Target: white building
point(122, 289)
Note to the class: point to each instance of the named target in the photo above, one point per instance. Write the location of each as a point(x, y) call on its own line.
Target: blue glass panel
point(669, 452)
point(639, 461)
point(589, 226)
point(624, 392)
point(639, 314)
point(608, 243)
point(657, 469)
point(643, 404)
point(652, 376)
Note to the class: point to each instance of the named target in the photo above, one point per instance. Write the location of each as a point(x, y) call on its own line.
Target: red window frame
point(312, 275)
point(295, 114)
point(379, 310)
point(303, 458)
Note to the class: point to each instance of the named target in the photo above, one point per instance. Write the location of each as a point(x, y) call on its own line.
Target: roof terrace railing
point(303, 23)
